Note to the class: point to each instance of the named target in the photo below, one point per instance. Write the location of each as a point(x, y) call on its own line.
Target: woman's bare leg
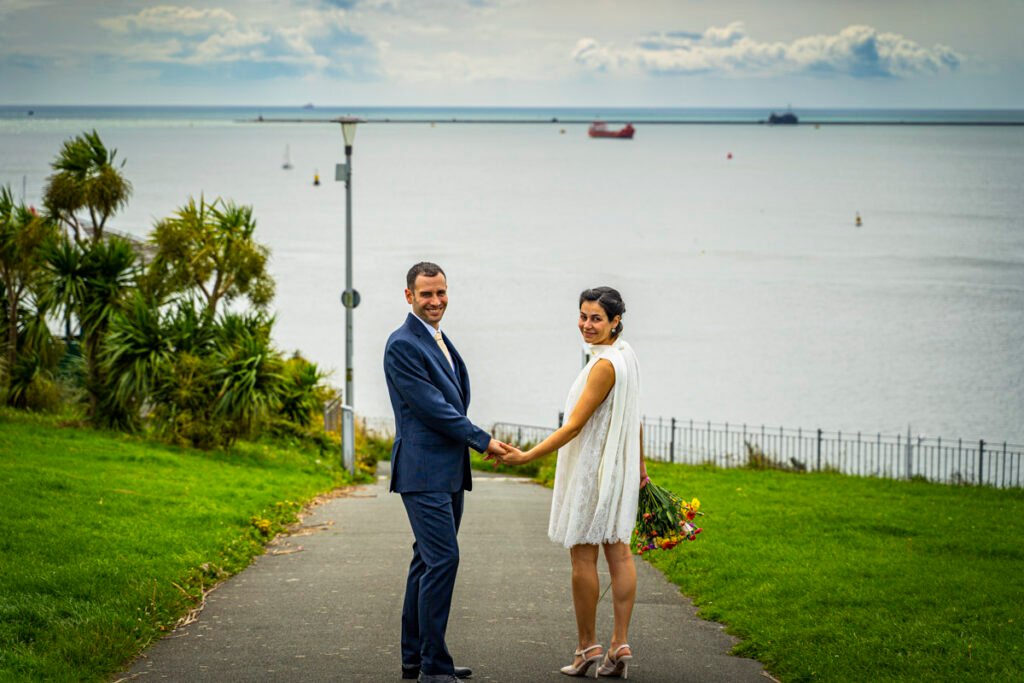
point(585, 593)
point(623, 571)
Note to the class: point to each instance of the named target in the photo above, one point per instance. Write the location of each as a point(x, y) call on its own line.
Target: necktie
point(444, 348)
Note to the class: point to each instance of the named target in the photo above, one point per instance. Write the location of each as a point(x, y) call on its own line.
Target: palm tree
point(208, 250)
point(249, 371)
point(91, 283)
point(137, 354)
point(39, 353)
point(86, 183)
point(300, 390)
point(23, 240)
point(66, 280)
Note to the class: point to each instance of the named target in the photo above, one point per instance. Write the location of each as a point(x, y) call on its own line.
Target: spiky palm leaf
point(299, 396)
point(137, 355)
point(67, 278)
point(110, 271)
point(249, 372)
point(188, 330)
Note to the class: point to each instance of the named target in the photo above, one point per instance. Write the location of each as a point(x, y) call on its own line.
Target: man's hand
point(494, 449)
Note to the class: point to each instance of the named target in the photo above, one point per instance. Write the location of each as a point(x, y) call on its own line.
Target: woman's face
point(594, 324)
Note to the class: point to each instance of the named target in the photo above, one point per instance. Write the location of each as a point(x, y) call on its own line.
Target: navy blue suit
point(430, 468)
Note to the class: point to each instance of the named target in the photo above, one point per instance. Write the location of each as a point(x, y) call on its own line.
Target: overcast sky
point(671, 53)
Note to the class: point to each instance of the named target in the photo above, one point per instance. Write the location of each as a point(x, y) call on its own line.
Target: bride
point(599, 473)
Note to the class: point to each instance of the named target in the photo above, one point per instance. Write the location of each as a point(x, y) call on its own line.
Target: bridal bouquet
point(663, 519)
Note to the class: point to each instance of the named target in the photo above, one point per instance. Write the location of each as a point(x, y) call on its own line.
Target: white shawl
point(597, 480)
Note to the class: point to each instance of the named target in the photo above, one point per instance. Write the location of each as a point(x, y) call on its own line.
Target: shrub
point(757, 459)
point(299, 394)
point(44, 395)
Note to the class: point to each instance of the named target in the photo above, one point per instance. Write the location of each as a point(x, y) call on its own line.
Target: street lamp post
point(350, 297)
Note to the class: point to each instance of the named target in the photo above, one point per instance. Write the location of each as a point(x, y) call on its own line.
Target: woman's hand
point(644, 479)
point(513, 456)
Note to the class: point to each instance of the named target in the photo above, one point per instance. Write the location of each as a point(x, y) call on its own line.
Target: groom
point(429, 388)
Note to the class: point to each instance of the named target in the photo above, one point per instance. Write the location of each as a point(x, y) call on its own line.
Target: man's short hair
point(422, 268)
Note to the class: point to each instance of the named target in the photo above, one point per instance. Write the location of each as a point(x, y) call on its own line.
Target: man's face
point(429, 298)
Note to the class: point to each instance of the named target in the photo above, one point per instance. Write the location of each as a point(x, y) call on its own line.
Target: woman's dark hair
point(422, 268)
point(610, 300)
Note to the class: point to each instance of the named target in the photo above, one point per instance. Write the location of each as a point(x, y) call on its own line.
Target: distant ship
point(599, 129)
point(788, 117)
point(307, 105)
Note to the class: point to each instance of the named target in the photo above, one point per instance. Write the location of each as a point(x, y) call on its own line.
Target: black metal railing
point(892, 456)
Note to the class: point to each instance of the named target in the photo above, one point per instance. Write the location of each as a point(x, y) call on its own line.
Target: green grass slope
point(107, 540)
point(834, 578)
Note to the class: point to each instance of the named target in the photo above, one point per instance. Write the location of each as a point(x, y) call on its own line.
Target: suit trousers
point(434, 517)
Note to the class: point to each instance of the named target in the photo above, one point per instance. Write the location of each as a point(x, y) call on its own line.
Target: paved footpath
point(331, 611)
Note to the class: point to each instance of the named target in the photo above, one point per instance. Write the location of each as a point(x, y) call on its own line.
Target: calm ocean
point(752, 296)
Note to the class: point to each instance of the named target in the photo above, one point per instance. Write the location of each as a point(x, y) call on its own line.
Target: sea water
point(752, 295)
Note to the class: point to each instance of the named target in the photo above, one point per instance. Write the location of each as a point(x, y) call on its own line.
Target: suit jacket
point(430, 399)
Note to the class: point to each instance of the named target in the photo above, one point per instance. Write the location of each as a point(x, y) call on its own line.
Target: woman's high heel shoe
point(616, 667)
point(584, 666)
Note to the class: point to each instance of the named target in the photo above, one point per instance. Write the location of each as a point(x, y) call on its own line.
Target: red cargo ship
point(599, 129)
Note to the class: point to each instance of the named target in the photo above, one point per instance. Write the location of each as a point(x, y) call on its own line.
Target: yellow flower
point(695, 504)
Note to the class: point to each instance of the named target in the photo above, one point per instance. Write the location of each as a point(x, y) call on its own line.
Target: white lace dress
point(597, 476)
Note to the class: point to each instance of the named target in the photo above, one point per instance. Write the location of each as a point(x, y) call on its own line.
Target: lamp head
point(348, 129)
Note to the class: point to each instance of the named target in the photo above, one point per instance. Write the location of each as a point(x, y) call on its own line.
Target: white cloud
point(186, 21)
point(185, 35)
point(725, 36)
point(861, 51)
point(228, 46)
point(168, 50)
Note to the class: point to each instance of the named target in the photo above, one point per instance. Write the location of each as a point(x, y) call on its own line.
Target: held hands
point(494, 449)
point(514, 456)
point(504, 454)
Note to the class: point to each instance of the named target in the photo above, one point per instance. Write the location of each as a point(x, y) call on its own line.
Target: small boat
point(287, 159)
point(599, 129)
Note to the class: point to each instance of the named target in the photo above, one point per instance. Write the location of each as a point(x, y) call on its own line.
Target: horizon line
point(312, 106)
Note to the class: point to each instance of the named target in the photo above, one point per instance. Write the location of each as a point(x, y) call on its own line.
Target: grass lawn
point(98, 528)
point(834, 578)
